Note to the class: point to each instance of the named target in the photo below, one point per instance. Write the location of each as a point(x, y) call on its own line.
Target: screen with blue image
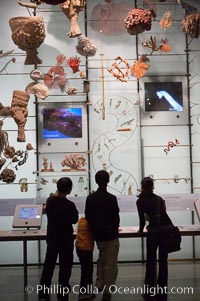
point(62, 123)
point(28, 213)
point(163, 96)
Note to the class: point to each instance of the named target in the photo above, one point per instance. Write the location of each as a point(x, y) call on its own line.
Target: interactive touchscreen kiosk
point(27, 216)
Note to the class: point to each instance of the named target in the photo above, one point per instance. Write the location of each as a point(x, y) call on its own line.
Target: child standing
point(84, 250)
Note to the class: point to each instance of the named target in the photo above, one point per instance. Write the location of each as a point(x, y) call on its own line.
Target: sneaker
point(86, 297)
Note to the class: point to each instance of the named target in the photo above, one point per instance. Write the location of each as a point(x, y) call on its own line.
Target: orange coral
point(140, 67)
point(61, 59)
point(164, 46)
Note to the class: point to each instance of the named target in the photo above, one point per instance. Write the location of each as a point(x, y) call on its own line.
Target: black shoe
point(43, 297)
point(83, 297)
point(148, 297)
point(106, 297)
point(60, 297)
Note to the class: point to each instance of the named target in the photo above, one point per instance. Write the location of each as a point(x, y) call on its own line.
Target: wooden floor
point(181, 277)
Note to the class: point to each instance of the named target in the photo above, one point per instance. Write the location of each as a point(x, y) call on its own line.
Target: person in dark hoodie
point(102, 214)
point(61, 214)
point(151, 207)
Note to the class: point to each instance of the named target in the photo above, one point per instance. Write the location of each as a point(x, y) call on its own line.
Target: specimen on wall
point(118, 72)
point(71, 9)
point(19, 112)
point(108, 18)
point(140, 67)
point(138, 20)
point(28, 33)
point(85, 46)
point(38, 89)
point(47, 166)
point(74, 162)
point(191, 25)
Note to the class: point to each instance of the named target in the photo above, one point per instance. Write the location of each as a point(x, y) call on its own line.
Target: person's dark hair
point(147, 184)
point(64, 185)
point(102, 178)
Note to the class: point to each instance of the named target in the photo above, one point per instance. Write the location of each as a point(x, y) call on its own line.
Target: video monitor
point(62, 127)
point(164, 100)
point(62, 123)
point(163, 96)
point(27, 216)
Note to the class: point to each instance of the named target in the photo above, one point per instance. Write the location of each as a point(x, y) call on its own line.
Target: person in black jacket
point(102, 214)
point(151, 207)
point(61, 214)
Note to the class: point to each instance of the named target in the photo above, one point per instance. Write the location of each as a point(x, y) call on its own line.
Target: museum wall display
point(108, 85)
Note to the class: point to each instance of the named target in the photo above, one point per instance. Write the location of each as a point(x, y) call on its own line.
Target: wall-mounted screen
point(163, 96)
point(62, 123)
point(62, 127)
point(164, 100)
point(27, 216)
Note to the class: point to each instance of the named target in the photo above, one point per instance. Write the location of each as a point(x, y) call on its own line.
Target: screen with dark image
point(62, 123)
point(163, 96)
point(28, 213)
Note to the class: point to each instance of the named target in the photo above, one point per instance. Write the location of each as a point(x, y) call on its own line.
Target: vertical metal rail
point(141, 151)
point(87, 108)
point(190, 131)
point(37, 152)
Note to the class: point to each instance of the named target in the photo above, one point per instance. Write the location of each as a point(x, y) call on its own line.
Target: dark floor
point(182, 276)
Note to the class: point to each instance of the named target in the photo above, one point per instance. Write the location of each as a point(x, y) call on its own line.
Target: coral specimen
point(71, 9)
point(140, 67)
point(7, 175)
point(85, 46)
point(152, 44)
point(4, 111)
point(74, 161)
point(166, 20)
point(118, 72)
point(73, 63)
point(138, 20)
point(55, 78)
point(108, 18)
point(19, 112)
point(38, 89)
point(28, 33)
point(71, 91)
point(36, 74)
point(191, 25)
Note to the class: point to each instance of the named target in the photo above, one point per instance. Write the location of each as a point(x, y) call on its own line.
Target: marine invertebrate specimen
point(108, 18)
point(74, 63)
point(7, 175)
point(152, 44)
point(28, 33)
point(19, 112)
point(138, 20)
point(166, 20)
point(55, 78)
point(118, 72)
point(38, 89)
point(71, 9)
point(171, 144)
point(85, 46)
point(74, 161)
point(140, 67)
point(191, 25)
